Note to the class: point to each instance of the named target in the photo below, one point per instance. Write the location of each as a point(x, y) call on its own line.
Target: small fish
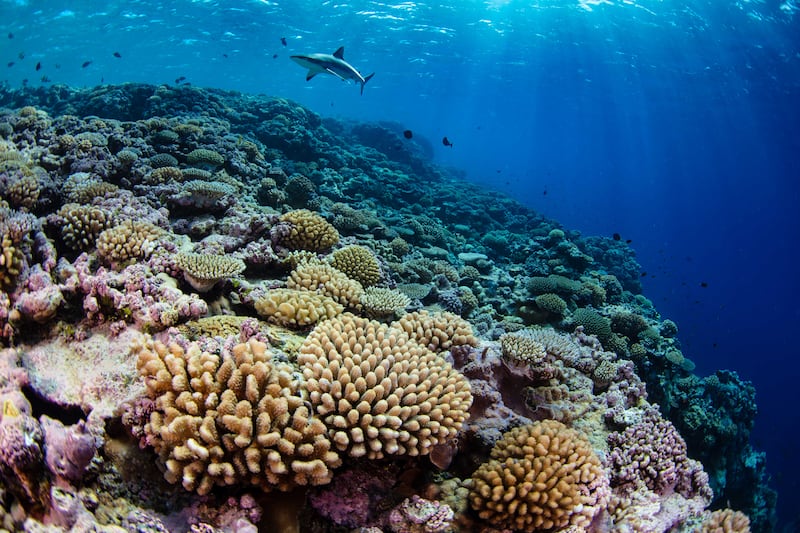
point(225, 56)
point(117, 55)
point(186, 83)
point(616, 236)
point(21, 55)
point(446, 142)
point(274, 56)
point(10, 63)
point(39, 65)
point(283, 41)
point(643, 274)
point(408, 134)
point(703, 284)
point(178, 80)
point(628, 241)
point(45, 79)
point(86, 64)
point(10, 35)
point(544, 192)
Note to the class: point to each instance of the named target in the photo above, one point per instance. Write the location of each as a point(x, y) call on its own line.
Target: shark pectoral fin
point(334, 73)
point(339, 53)
point(311, 74)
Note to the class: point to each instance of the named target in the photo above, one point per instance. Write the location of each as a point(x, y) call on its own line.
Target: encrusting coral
point(379, 392)
point(540, 477)
point(231, 418)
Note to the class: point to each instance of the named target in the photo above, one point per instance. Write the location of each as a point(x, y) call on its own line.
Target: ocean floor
point(223, 312)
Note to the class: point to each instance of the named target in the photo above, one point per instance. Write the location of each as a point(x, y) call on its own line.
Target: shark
point(333, 64)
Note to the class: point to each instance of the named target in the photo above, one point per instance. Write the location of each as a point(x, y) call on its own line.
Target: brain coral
point(326, 280)
point(358, 262)
point(203, 271)
point(309, 231)
point(231, 418)
point(294, 308)
point(437, 331)
point(379, 392)
point(540, 477)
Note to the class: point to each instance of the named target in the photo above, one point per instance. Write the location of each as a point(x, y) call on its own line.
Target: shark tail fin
point(366, 79)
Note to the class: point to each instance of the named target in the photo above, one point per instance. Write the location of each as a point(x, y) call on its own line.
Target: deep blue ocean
point(675, 123)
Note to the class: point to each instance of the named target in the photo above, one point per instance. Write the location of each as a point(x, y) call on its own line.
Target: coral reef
point(433, 356)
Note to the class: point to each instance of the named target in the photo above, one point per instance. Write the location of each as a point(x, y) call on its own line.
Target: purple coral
point(418, 515)
point(653, 452)
point(68, 449)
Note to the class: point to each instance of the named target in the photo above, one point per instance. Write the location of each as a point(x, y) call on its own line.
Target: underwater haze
point(674, 124)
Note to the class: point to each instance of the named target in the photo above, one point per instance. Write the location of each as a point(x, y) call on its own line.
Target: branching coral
point(129, 240)
point(294, 308)
point(437, 331)
point(308, 231)
point(358, 263)
point(379, 392)
point(382, 302)
point(540, 477)
point(81, 224)
point(232, 418)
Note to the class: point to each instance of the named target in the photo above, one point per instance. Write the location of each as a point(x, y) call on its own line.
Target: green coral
point(593, 323)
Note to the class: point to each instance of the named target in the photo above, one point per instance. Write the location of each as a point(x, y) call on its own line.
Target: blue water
point(675, 124)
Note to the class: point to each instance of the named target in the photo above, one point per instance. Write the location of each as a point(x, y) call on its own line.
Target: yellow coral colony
point(378, 392)
point(233, 419)
point(540, 477)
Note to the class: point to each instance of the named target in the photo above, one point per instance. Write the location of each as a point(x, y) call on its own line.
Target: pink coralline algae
point(133, 294)
point(417, 515)
point(351, 499)
point(68, 449)
point(653, 452)
point(21, 454)
point(41, 298)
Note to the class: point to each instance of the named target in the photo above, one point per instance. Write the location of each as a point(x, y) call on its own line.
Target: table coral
point(540, 477)
point(221, 419)
point(203, 271)
point(379, 392)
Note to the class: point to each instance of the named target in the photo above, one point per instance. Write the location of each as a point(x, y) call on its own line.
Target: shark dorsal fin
point(339, 53)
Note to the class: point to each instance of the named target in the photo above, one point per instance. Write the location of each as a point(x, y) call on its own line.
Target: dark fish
point(39, 65)
point(178, 80)
point(10, 63)
point(714, 345)
point(703, 284)
point(643, 274)
point(628, 241)
point(117, 54)
point(616, 236)
point(225, 56)
point(21, 55)
point(408, 134)
point(274, 56)
point(283, 41)
point(544, 192)
point(186, 83)
point(446, 142)
point(45, 79)
point(86, 64)
point(10, 35)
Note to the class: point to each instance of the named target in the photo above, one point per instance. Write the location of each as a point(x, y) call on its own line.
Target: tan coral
point(126, 241)
point(204, 158)
point(543, 476)
point(725, 521)
point(438, 331)
point(232, 419)
point(82, 188)
point(203, 271)
point(296, 308)
point(309, 231)
point(358, 263)
point(82, 224)
point(519, 348)
point(23, 192)
point(161, 175)
point(382, 302)
point(213, 326)
point(379, 392)
point(11, 262)
point(326, 280)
